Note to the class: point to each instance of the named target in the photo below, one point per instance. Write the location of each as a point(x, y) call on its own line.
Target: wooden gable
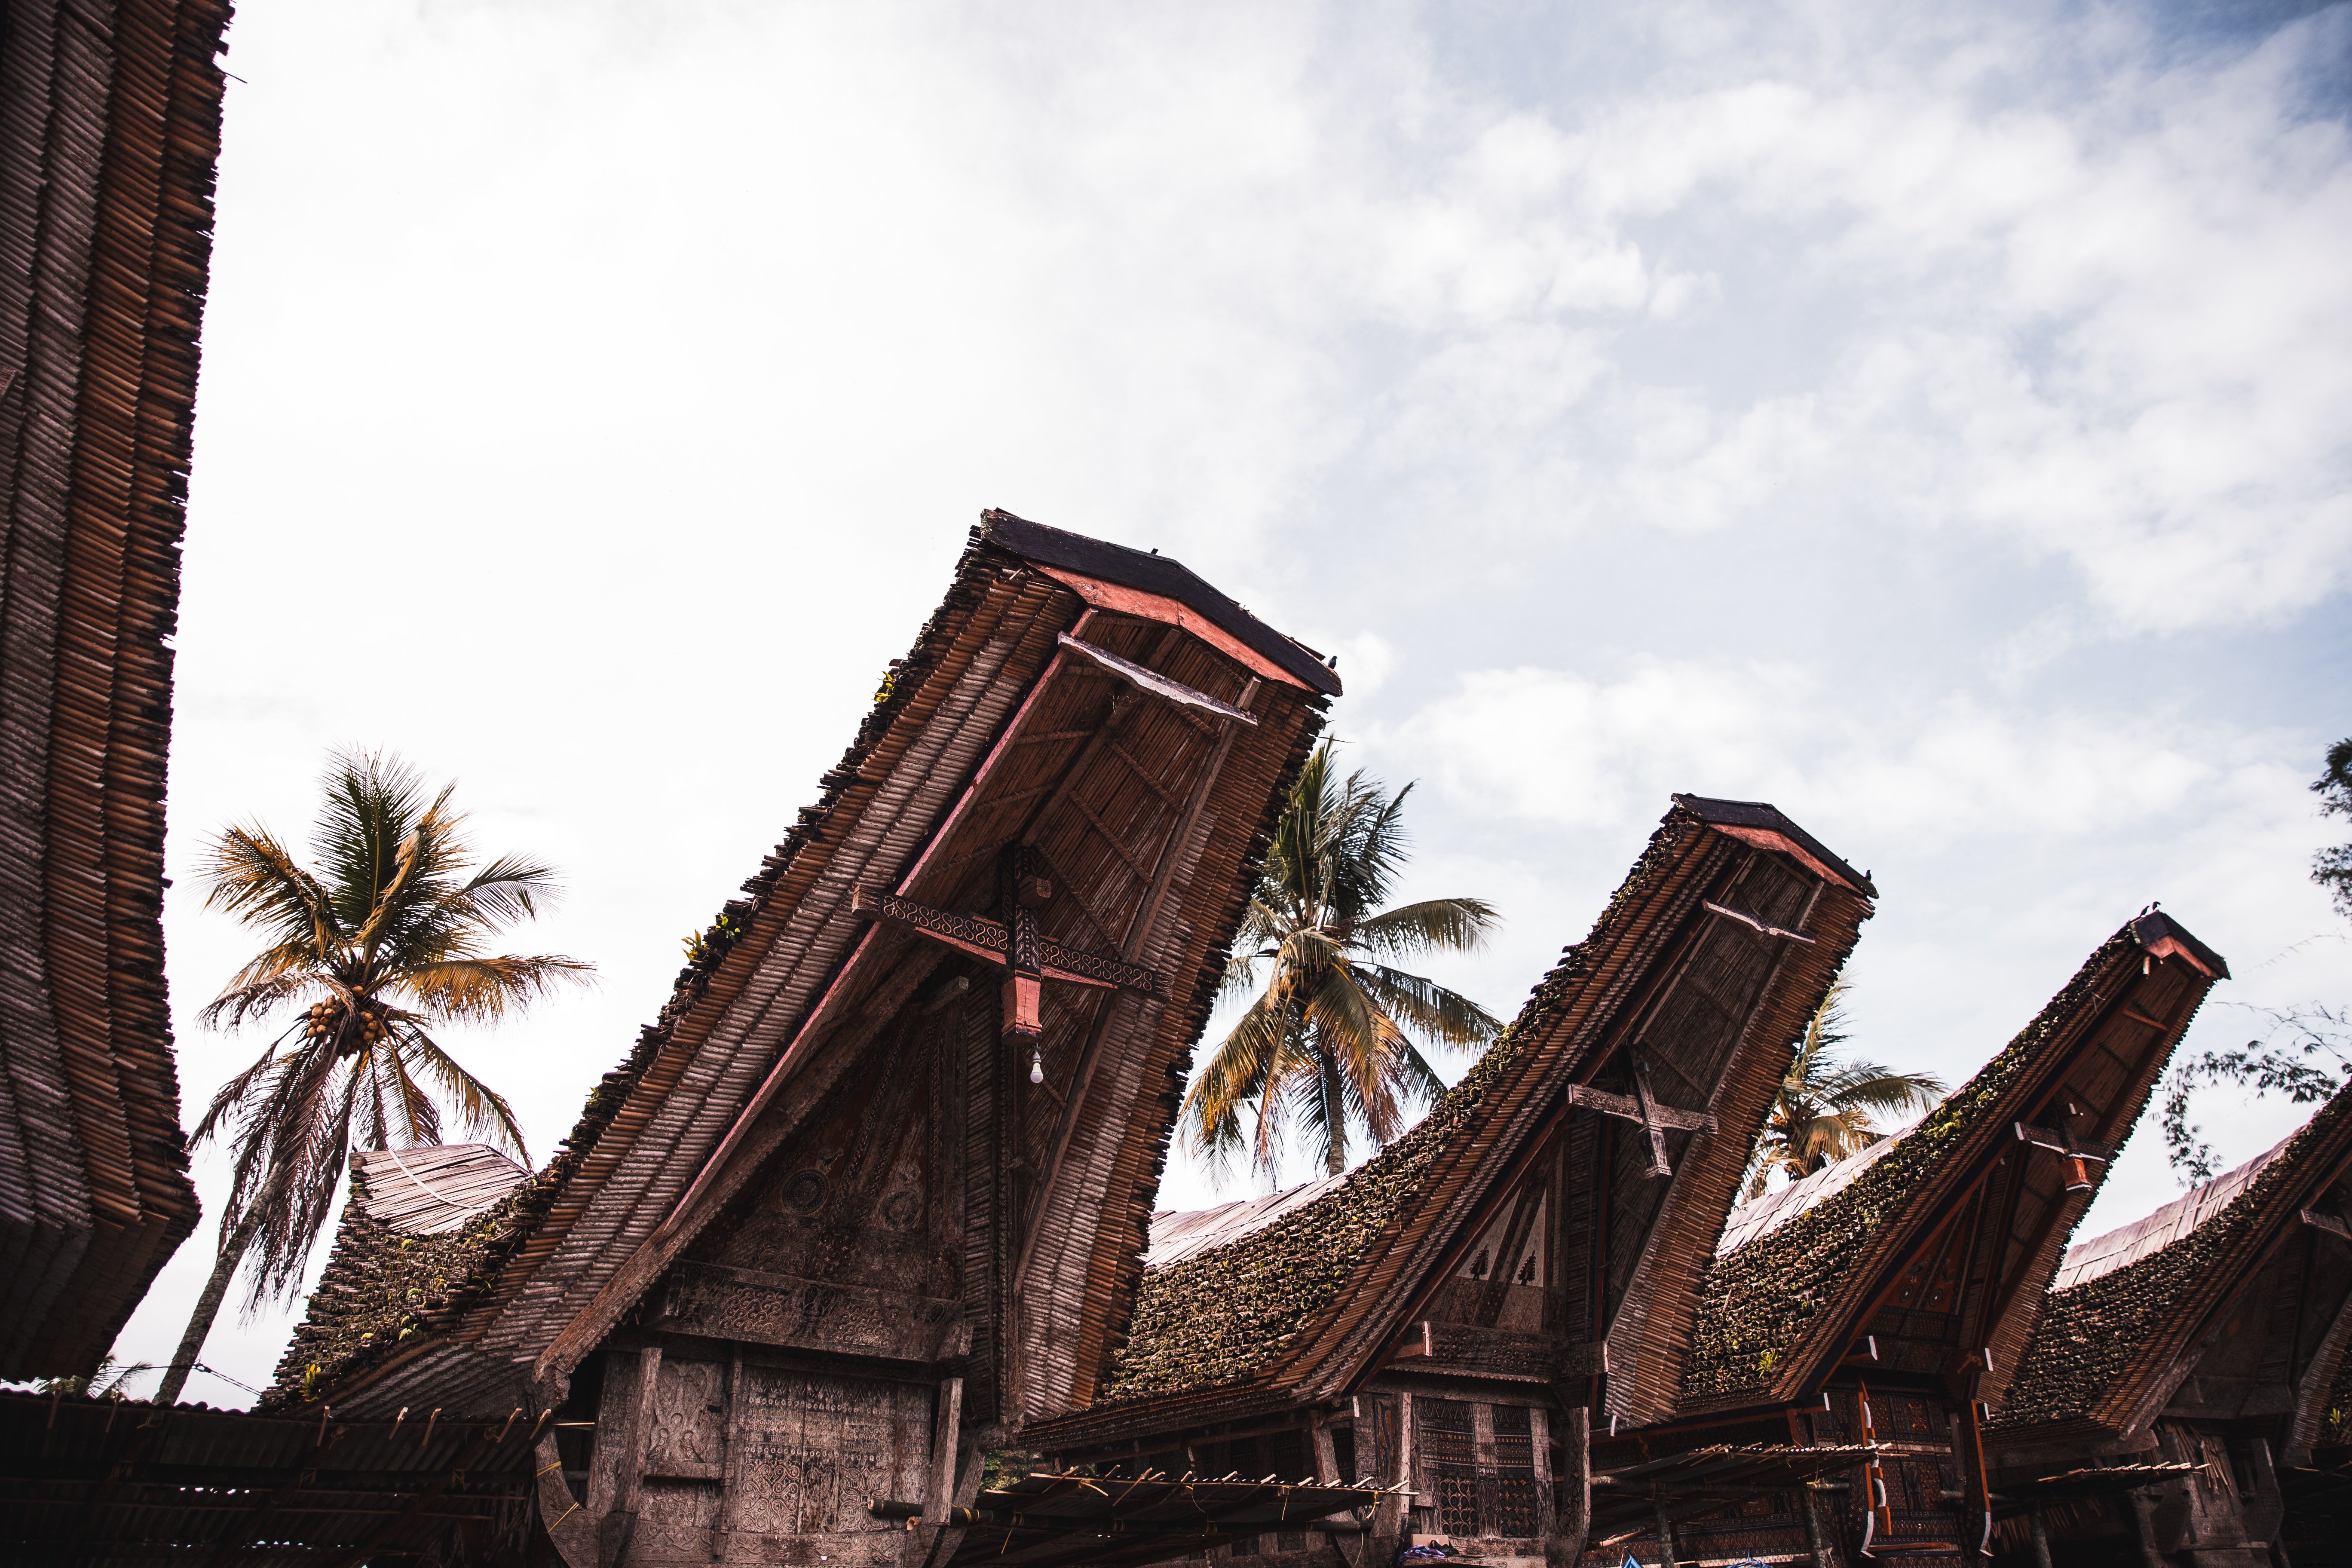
point(898, 1131)
point(1533, 1246)
point(1888, 1299)
point(2209, 1338)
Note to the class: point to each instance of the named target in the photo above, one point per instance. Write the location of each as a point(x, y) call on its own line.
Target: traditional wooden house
point(871, 1196)
point(2208, 1340)
point(110, 128)
point(1443, 1318)
point(1882, 1307)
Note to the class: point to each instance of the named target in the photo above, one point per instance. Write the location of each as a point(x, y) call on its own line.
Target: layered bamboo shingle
point(909, 1103)
point(109, 121)
point(1888, 1300)
point(1444, 1317)
point(2210, 1335)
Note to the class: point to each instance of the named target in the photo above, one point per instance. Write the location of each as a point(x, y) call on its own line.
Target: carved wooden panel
point(687, 1421)
point(813, 1448)
point(742, 1304)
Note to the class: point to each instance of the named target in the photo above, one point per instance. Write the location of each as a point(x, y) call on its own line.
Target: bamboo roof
point(1818, 1272)
point(109, 129)
point(1307, 1299)
point(2141, 1301)
point(1027, 709)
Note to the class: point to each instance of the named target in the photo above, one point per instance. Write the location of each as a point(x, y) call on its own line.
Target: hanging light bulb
point(1036, 1066)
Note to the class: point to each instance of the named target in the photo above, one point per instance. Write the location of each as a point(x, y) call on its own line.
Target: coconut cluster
point(368, 1022)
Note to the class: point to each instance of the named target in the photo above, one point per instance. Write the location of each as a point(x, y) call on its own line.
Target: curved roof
point(1296, 1299)
point(2143, 1297)
point(1808, 1277)
point(988, 733)
point(110, 128)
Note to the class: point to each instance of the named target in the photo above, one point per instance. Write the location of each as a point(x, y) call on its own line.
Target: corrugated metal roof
point(1773, 1210)
point(1177, 1234)
point(2127, 1245)
point(430, 1190)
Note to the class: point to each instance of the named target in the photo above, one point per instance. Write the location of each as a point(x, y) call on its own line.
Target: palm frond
point(485, 990)
point(1446, 1017)
point(1434, 925)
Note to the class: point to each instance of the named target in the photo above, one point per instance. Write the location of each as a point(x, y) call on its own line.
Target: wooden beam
point(986, 939)
point(1630, 1109)
point(1154, 683)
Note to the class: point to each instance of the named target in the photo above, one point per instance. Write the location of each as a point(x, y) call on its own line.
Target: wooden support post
point(1481, 1451)
point(1564, 1542)
point(1539, 1456)
point(1658, 1163)
point(1816, 1539)
point(2040, 1528)
point(940, 1484)
point(2140, 1506)
point(613, 1531)
point(1665, 1533)
point(732, 1477)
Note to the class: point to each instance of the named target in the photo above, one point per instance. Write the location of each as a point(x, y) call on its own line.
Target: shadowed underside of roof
point(110, 123)
point(1783, 1304)
point(993, 728)
point(2104, 1339)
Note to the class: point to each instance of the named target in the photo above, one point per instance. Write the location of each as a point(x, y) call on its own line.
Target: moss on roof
point(1223, 1314)
point(1755, 1303)
point(383, 1287)
point(2090, 1332)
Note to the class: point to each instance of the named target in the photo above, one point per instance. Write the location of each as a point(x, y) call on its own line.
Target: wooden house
point(1878, 1310)
point(109, 129)
point(872, 1194)
point(1443, 1319)
point(2187, 1365)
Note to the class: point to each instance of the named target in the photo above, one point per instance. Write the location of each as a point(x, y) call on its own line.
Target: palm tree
point(1325, 1041)
point(109, 1380)
point(1822, 1112)
point(383, 944)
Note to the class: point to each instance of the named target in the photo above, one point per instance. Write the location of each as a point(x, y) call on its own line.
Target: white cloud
point(1862, 377)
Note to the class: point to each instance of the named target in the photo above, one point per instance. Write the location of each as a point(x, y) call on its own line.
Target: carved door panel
point(810, 1448)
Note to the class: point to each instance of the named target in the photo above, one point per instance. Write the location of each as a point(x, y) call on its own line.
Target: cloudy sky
point(1930, 419)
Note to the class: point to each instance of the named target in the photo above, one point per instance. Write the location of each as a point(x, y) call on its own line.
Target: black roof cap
point(1764, 814)
point(1155, 574)
point(2155, 925)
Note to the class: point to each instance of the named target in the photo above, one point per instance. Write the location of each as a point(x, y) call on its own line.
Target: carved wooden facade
point(870, 1199)
point(1447, 1319)
point(2182, 1399)
point(1887, 1300)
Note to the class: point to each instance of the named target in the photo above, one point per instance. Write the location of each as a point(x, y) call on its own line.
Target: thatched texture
point(1298, 1309)
point(110, 123)
point(2103, 1345)
point(988, 733)
point(1787, 1303)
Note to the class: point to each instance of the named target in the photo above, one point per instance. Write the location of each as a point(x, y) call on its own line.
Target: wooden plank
point(719, 1302)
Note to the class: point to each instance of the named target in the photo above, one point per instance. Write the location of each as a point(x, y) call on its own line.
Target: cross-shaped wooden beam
point(1642, 1106)
point(1029, 959)
point(2080, 1153)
